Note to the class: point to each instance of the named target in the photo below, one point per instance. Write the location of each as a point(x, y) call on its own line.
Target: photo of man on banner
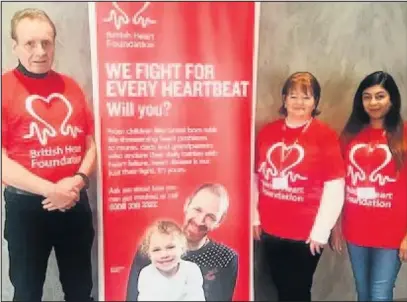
point(204, 211)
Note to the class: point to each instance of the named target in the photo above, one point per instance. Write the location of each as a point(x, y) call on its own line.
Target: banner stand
point(174, 88)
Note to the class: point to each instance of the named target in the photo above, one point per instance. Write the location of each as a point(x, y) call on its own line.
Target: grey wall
point(318, 37)
point(339, 43)
point(72, 58)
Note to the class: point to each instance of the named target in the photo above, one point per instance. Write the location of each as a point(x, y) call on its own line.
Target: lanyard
point(284, 154)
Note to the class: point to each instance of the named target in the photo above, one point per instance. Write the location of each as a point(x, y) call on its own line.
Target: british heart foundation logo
point(269, 168)
point(357, 173)
point(41, 127)
point(119, 17)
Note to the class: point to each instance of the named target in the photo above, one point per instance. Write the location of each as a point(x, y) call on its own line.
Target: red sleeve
point(405, 143)
point(88, 125)
point(256, 151)
point(90, 122)
point(343, 145)
point(4, 115)
point(258, 146)
point(334, 165)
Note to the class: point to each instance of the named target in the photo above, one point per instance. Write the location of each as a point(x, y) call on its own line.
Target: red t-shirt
point(45, 123)
point(289, 212)
point(378, 220)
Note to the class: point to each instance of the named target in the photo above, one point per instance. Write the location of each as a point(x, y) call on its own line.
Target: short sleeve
point(85, 108)
point(256, 151)
point(333, 163)
point(4, 119)
point(343, 144)
point(405, 144)
point(90, 121)
point(257, 147)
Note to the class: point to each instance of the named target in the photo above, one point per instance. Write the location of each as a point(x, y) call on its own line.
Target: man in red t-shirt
point(48, 151)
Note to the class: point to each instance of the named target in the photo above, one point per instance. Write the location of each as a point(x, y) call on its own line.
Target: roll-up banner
point(173, 88)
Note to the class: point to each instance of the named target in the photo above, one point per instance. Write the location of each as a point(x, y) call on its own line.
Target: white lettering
point(52, 163)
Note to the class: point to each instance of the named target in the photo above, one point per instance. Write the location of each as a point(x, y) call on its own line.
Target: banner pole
point(96, 112)
point(257, 7)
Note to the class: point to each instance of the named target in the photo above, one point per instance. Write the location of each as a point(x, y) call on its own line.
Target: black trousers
point(291, 266)
point(264, 288)
point(31, 232)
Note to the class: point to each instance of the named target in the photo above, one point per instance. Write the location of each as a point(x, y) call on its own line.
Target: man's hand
point(256, 232)
point(403, 250)
point(336, 239)
point(64, 194)
point(72, 183)
point(314, 246)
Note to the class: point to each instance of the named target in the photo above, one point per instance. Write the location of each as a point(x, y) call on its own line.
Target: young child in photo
point(168, 277)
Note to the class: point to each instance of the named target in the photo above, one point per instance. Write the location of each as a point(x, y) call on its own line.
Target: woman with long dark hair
point(374, 218)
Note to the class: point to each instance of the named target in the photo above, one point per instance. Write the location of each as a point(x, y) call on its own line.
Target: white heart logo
point(49, 131)
point(374, 176)
point(118, 20)
point(119, 17)
point(273, 170)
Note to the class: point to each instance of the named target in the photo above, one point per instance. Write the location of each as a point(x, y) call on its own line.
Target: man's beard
point(195, 236)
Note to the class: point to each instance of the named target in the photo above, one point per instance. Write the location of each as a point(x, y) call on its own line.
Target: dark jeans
point(31, 233)
point(291, 266)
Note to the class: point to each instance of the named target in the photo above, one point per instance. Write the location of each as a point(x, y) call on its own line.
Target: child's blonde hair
point(167, 227)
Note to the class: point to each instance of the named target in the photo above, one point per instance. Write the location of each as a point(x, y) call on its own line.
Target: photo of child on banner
point(161, 256)
point(168, 277)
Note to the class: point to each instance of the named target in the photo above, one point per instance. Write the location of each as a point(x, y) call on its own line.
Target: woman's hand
point(336, 239)
point(403, 250)
point(314, 246)
point(256, 232)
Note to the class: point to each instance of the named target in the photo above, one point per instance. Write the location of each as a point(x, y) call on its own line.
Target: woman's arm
point(330, 208)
